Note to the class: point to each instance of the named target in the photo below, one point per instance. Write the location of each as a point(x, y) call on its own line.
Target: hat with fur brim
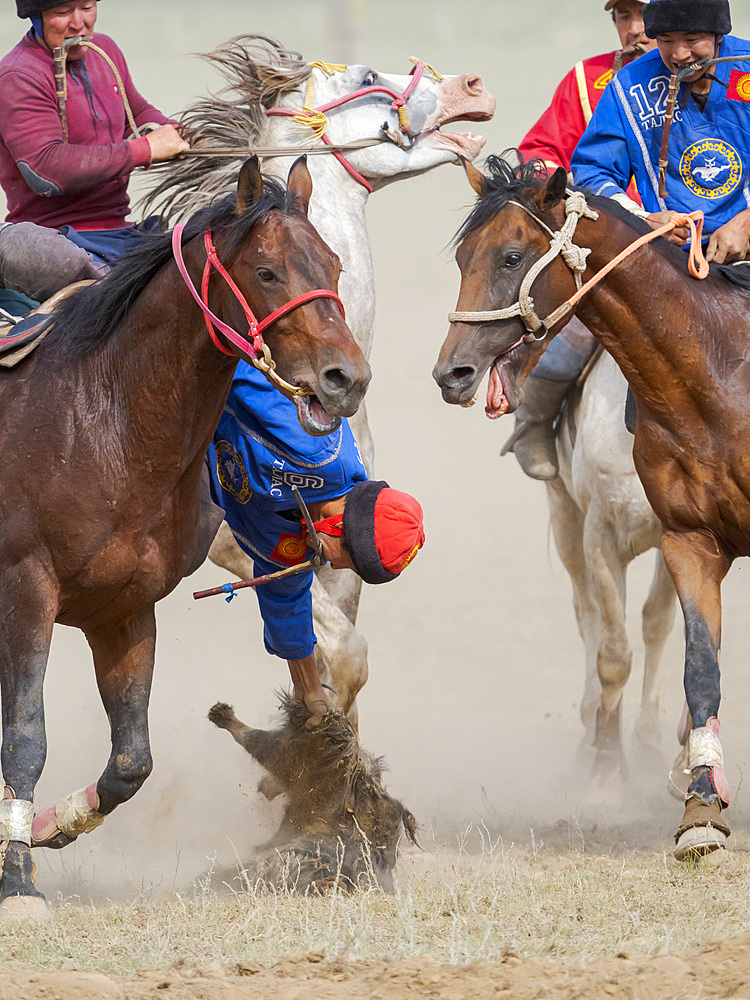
point(382, 530)
point(31, 8)
point(710, 16)
point(613, 3)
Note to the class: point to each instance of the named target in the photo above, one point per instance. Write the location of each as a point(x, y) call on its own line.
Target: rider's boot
point(533, 440)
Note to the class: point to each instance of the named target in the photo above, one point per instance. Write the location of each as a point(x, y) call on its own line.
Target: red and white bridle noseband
point(315, 117)
point(254, 347)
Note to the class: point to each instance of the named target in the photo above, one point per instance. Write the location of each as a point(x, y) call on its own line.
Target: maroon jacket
point(81, 183)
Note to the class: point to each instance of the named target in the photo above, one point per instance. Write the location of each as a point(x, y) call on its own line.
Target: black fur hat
point(30, 8)
point(663, 16)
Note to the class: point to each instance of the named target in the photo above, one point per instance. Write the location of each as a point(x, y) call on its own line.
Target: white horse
point(601, 521)
point(406, 115)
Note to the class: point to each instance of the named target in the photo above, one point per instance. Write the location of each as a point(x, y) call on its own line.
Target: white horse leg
point(614, 658)
point(567, 527)
point(226, 553)
point(341, 652)
point(657, 621)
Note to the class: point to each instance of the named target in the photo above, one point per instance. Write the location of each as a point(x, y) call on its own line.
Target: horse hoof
point(699, 841)
point(26, 909)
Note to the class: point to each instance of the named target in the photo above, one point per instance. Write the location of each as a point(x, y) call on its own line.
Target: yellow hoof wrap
point(77, 814)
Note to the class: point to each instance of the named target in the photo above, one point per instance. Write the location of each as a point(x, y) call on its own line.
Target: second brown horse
point(684, 346)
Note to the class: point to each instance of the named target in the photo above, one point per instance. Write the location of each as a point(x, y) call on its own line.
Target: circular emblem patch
point(711, 168)
point(232, 472)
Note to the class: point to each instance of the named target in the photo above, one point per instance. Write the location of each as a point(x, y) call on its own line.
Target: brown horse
point(103, 432)
point(684, 347)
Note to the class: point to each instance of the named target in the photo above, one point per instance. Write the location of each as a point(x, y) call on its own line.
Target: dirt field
point(476, 668)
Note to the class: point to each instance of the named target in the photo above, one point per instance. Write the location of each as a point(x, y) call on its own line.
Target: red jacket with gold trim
point(556, 134)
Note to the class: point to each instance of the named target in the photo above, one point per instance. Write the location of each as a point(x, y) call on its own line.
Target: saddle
point(18, 338)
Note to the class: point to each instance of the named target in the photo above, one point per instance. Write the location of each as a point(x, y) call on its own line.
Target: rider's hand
point(731, 242)
point(678, 236)
point(166, 142)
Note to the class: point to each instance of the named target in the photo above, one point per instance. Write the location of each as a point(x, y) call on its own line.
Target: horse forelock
point(93, 315)
point(256, 71)
point(507, 177)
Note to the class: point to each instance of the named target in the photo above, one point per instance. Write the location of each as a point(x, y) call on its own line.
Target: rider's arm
point(31, 129)
point(601, 162)
point(553, 138)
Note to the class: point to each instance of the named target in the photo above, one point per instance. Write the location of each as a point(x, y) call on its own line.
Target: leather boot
point(533, 440)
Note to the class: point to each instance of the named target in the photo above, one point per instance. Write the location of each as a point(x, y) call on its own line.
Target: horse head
point(281, 258)
point(508, 231)
point(408, 113)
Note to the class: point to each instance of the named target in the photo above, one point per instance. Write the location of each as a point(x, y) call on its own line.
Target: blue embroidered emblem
point(232, 472)
point(711, 168)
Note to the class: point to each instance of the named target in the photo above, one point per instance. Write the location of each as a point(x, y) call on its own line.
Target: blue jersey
point(709, 151)
point(258, 453)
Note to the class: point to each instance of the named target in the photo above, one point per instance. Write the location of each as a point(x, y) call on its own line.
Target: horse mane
point(505, 177)
point(257, 70)
point(508, 177)
point(91, 317)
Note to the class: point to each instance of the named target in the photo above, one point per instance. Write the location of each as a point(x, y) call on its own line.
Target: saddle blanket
point(18, 340)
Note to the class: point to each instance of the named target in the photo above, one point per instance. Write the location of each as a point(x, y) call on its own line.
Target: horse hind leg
point(28, 612)
point(123, 661)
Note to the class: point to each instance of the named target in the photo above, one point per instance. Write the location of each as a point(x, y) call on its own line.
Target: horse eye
point(265, 275)
point(370, 80)
point(513, 260)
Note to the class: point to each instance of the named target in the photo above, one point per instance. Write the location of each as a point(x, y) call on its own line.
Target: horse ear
point(476, 178)
point(553, 190)
point(249, 185)
point(299, 185)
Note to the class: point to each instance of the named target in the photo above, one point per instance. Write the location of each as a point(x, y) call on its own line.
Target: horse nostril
point(475, 84)
point(459, 376)
point(335, 381)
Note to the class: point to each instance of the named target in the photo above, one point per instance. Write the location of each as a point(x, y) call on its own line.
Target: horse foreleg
point(614, 657)
point(28, 611)
point(341, 652)
point(124, 663)
point(657, 621)
point(698, 567)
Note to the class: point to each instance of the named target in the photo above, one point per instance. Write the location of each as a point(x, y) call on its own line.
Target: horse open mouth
point(502, 393)
point(314, 418)
point(466, 144)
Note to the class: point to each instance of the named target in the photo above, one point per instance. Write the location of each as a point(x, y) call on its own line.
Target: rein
point(575, 257)
point(254, 348)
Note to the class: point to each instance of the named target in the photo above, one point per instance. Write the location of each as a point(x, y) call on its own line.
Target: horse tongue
point(497, 401)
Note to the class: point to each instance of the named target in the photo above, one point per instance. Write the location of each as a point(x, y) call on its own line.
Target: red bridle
point(254, 346)
point(398, 102)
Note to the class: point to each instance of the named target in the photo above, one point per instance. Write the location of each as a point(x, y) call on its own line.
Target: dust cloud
point(476, 664)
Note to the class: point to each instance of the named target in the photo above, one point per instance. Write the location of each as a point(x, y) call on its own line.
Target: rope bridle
point(561, 245)
point(253, 347)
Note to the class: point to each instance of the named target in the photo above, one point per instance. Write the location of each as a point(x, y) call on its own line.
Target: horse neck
point(337, 210)
point(169, 379)
point(649, 314)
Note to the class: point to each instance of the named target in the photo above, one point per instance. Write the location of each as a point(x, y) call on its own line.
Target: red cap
point(399, 530)
point(383, 530)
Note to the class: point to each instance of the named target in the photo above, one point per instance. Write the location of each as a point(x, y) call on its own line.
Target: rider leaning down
point(709, 145)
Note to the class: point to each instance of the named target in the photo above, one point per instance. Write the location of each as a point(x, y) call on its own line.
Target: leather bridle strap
point(254, 348)
point(398, 104)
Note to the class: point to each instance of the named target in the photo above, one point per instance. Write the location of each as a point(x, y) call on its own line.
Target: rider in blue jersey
point(708, 165)
point(709, 144)
point(259, 453)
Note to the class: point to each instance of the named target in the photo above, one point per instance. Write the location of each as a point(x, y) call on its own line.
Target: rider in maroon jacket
point(76, 180)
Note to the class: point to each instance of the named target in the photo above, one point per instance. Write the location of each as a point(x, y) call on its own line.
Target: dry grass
point(484, 900)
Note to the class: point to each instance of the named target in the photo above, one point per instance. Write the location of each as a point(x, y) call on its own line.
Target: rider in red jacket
point(553, 139)
point(70, 168)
